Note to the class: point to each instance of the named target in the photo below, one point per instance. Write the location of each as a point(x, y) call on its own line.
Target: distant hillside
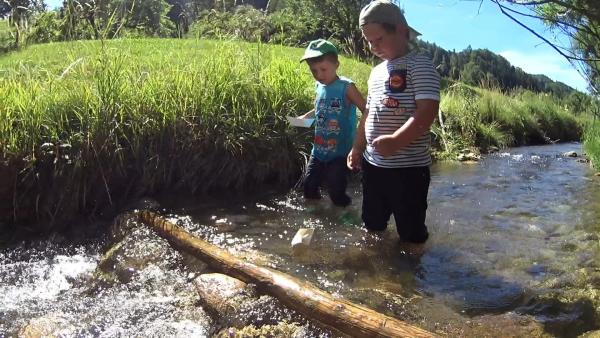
point(482, 67)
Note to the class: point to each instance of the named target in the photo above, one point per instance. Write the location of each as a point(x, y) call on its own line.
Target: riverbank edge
point(48, 195)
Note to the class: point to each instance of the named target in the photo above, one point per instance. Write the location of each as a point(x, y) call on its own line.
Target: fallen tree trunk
point(347, 317)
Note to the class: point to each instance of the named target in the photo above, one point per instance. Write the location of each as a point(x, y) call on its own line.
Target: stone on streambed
point(235, 305)
point(222, 296)
point(125, 222)
point(48, 326)
point(591, 334)
point(257, 257)
point(134, 247)
point(507, 325)
point(570, 154)
point(468, 156)
point(281, 330)
point(133, 253)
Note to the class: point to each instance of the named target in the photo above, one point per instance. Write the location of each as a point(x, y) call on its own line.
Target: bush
point(244, 23)
point(47, 28)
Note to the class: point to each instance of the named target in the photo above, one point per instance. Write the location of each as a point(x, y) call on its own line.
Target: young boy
point(335, 111)
point(393, 140)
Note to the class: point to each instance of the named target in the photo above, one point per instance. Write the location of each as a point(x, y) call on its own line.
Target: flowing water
point(514, 251)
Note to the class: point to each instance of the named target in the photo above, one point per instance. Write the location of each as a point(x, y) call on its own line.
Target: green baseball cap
point(385, 11)
point(317, 48)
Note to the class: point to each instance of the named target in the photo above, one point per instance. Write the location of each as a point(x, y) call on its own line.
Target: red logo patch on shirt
point(390, 102)
point(397, 80)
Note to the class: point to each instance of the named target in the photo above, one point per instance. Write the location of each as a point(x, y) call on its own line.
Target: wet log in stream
point(344, 316)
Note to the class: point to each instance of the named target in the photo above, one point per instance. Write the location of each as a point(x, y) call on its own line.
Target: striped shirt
point(394, 86)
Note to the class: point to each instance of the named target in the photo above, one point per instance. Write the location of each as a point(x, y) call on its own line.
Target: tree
point(180, 14)
point(341, 18)
point(149, 16)
point(472, 74)
point(19, 13)
point(578, 19)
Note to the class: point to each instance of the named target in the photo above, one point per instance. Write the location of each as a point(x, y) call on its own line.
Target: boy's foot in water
point(350, 217)
point(412, 249)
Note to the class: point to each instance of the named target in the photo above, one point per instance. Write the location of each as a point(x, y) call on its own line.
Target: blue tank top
point(335, 125)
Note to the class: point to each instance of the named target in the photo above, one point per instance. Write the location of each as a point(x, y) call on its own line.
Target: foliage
point(341, 19)
point(107, 128)
point(48, 28)
point(293, 28)
point(19, 12)
point(592, 142)
point(294, 25)
point(478, 118)
point(149, 17)
point(245, 23)
point(578, 19)
point(5, 36)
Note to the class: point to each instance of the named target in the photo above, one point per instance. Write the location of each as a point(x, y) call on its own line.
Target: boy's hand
point(354, 159)
point(385, 145)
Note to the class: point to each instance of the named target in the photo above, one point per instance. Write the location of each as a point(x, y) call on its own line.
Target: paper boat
point(303, 123)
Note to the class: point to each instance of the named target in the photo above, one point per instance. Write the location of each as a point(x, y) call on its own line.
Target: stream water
point(514, 251)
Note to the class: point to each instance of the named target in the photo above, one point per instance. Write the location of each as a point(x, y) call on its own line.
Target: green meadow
point(86, 126)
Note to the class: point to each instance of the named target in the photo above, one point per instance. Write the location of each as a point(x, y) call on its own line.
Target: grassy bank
point(486, 119)
point(591, 143)
point(84, 128)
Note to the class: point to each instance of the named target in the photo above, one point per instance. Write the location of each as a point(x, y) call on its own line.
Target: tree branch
point(504, 10)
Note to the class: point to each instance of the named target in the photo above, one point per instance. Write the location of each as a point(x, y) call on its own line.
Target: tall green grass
point(592, 142)
point(484, 119)
point(142, 116)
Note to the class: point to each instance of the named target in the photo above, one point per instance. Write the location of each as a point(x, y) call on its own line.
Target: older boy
point(392, 144)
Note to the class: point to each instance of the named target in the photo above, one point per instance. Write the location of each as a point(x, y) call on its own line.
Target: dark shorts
point(333, 174)
point(399, 191)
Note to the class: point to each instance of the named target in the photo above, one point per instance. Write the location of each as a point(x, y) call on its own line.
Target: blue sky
point(456, 24)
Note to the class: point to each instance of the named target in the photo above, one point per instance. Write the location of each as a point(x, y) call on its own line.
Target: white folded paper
point(302, 123)
point(302, 238)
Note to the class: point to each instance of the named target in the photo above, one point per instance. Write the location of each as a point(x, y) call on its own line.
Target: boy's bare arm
point(417, 125)
point(355, 97)
point(360, 143)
